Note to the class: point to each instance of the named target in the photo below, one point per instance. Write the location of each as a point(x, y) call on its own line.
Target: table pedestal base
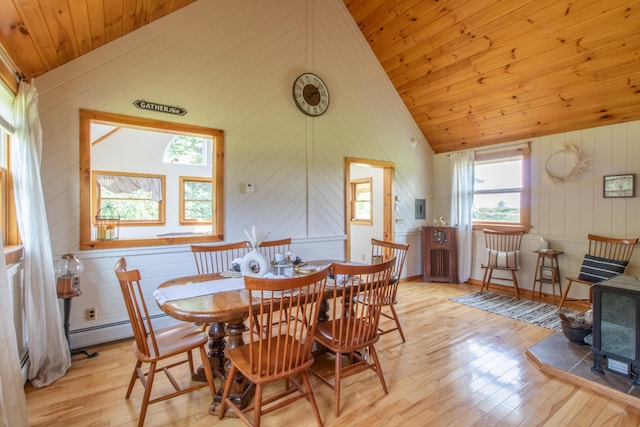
point(242, 390)
point(216, 353)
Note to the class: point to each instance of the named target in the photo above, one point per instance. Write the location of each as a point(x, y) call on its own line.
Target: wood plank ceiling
point(471, 72)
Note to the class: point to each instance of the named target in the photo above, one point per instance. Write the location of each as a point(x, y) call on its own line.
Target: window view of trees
point(197, 197)
point(501, 212)
point(135, 197)
point(135, 206)
point(188, 150)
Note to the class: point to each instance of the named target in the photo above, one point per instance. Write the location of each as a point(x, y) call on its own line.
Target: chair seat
point(241, 357)
point(172, 341)
point(324, 334)
point(575, 279)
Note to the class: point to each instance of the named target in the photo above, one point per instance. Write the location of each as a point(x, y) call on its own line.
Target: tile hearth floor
point(555, 355)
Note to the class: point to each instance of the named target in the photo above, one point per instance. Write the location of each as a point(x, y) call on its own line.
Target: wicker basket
point(574, 334)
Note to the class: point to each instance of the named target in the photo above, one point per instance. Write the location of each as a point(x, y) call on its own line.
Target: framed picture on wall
point(620, 185)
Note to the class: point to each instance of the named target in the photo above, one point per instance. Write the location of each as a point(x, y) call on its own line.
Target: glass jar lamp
point(68, 269)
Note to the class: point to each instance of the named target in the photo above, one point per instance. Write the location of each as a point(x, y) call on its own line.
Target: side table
point(547, 273)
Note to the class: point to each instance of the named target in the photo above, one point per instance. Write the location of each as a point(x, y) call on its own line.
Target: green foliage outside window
point(497, 214)
point(197, 200)
point(187, 150)
point(136, 206)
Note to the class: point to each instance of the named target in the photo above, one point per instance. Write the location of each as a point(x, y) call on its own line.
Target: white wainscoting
point(100, 289)
point(15, 273)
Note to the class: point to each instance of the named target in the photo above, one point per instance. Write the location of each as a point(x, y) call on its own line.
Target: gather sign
point(153, 106)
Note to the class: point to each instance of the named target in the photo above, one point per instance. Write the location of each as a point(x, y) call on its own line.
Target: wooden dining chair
point(218, 258)
point(503, 253)
point(270, 248)
point(283, 352)
point(384, 251)
point(605, 258)
point(352, 329)
point(159, 349)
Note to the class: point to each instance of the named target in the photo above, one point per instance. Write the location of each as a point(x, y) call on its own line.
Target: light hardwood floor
point(459, 367)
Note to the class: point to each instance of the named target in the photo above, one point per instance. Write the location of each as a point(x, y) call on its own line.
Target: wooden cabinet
point(440, 254)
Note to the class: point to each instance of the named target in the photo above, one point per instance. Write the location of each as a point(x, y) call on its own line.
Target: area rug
point(537, 313)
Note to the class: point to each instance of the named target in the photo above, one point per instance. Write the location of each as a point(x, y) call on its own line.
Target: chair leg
point(376, 361)
point(397, 320)
point(190, 359)
point(515, 284)
point(226, 391)
point(565, 293)
point(207, 371)
point(134, 377)
point(310, 397)
point(257, 406)
point(486, 278)
point(147, 394)
point(336, 384)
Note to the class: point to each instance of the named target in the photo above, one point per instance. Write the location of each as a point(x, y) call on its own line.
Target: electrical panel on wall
point(421, 209)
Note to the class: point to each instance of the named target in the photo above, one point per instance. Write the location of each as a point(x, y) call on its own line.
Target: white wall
point(231, 65)
point(564, 213)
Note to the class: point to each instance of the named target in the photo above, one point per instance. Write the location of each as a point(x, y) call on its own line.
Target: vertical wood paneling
point(583, 218)
point(602, 156)
point(540, 184)
point(633, 154)
point(231, 66)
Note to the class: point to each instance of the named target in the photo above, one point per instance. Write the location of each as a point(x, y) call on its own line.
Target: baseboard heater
point(110, 332)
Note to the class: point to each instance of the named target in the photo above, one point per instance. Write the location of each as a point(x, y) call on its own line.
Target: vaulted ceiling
point(471, 72)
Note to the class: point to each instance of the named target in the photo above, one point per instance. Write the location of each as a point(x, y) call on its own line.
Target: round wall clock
point(310, 94)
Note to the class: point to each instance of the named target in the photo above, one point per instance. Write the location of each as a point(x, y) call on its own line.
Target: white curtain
point(13, 407)
point(49, 356)
point(461, 205)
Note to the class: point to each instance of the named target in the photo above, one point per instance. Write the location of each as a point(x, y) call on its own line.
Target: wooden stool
point(547, 273)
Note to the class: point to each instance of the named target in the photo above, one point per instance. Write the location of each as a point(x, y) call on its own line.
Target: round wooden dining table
point(224, 304)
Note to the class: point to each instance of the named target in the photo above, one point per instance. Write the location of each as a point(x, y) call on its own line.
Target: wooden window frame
point(162, 208)
point(525, 193)
point(87, 242)
point(11, 244)
point(182, 201)
point(354, 184)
